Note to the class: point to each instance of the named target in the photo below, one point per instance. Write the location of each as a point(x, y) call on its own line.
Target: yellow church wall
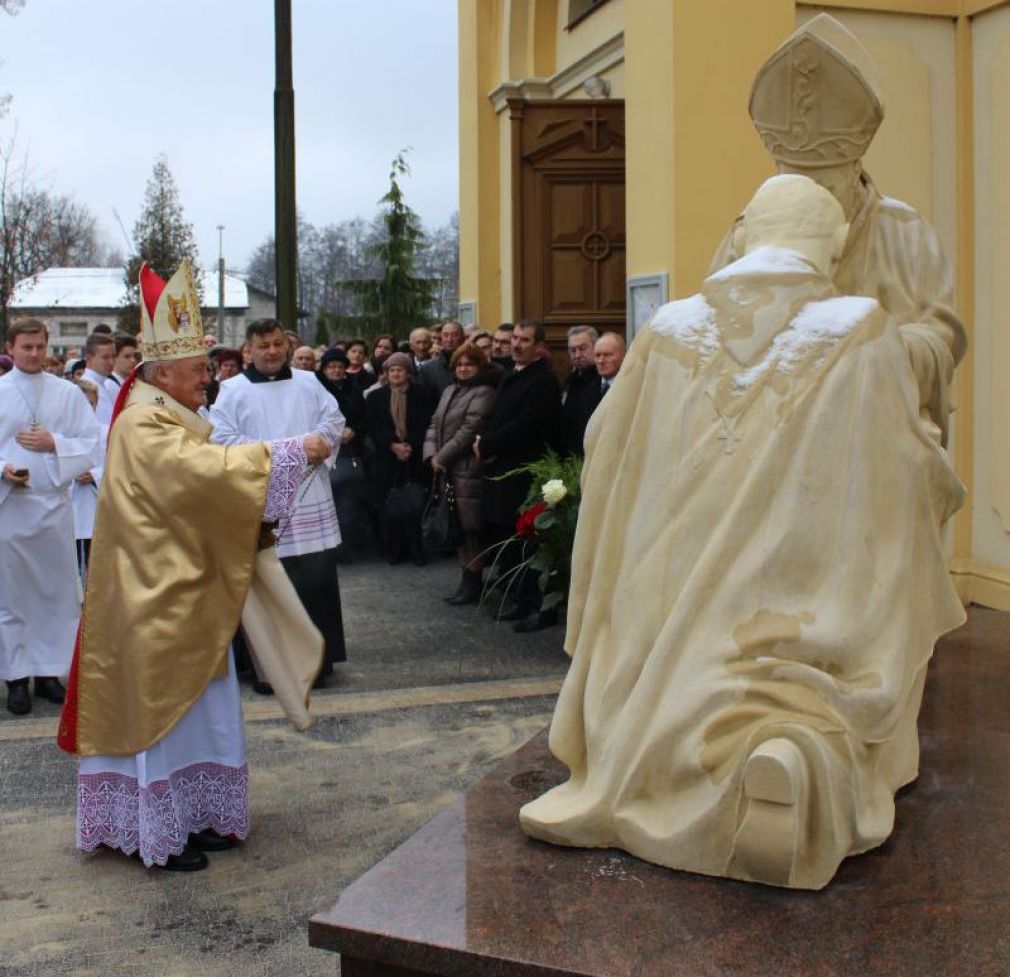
point(506, 312)
point(693, 158)
point(573, 43)
point(480, 211)
point(913, 156)
point(538, 57)
point(991, 403)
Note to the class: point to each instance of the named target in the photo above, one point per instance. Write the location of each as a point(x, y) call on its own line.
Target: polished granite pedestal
point(470, 895)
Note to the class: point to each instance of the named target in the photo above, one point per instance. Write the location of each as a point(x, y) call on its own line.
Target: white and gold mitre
point(816, 101)
point(170, 324)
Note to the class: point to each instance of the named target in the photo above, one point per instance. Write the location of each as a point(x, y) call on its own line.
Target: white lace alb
point(115, 811)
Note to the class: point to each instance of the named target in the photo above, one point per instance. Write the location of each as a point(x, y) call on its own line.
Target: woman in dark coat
point(448, 448)
point(397, 417)
point(351, 492)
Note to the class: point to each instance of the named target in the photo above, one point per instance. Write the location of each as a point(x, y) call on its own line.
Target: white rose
point(554, 491)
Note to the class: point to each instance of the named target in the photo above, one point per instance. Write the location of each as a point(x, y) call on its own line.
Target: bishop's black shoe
point(190, 859)
point(48, 687)
point(210, 840)
point(263, 688)
point(19, 702)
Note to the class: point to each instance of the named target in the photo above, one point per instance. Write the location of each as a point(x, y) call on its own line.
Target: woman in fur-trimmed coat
point(448, 448)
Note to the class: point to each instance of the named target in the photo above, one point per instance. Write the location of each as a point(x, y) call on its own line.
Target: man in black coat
point(524, 422)
point(501, 347)
point(608, 353)
point(578, 408)
point(436, 374)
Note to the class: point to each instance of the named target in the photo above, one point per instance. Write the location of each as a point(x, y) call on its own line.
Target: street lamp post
point(285, 222)
point(220, 286)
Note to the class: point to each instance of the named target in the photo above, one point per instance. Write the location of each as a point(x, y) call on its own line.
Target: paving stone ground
point(430, 699)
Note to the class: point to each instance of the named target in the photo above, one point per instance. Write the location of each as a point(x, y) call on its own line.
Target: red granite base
point(471, 896)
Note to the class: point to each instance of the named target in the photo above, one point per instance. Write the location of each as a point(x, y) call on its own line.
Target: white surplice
point(84, 496)
point(106, 399)
point(40, 598)
point(282, 408)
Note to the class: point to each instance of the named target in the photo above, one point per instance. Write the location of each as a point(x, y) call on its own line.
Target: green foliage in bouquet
point(545, 526)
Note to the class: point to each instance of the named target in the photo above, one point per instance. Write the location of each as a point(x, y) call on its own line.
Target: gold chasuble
point(174, 550)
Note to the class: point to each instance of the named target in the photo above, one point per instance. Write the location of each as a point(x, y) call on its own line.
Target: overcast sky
point(102, 86)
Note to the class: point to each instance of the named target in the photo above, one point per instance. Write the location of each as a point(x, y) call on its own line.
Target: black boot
point(48, 687)
point(469, 589)
point(417, 553)
point(190, 859)
point(537, 621)
point(19, 701)
point(210, 840)
point(460, 587)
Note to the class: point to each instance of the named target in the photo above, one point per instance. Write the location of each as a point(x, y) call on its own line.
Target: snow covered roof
point(103, 288)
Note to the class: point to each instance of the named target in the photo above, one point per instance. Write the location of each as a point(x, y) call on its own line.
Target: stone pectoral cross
point(728, 434)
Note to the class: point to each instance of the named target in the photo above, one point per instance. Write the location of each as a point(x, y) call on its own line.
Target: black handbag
point(347, 470)
point(404, 502)
point(440, 523)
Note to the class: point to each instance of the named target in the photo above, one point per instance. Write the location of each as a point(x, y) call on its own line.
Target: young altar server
point(84, 491)
point(270, 400)
point(48, 436)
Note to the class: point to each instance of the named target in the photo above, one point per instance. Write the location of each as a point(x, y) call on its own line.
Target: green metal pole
point(285, 219)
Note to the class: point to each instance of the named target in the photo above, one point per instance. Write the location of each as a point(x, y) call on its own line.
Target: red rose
point(525, 523)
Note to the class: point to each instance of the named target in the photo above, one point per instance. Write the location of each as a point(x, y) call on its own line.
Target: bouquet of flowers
point(545, 526)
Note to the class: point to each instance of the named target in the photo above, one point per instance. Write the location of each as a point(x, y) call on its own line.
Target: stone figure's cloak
point(893, 255)
point(758, 555)
point(174, 548)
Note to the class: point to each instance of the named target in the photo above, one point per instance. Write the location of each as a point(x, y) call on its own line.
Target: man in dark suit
point(524, 422)
point(577, 409)
point(435, 374)
point(501, 347)
point(608, 353)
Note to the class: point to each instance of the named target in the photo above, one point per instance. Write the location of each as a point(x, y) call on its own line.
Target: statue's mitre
point(170, 324)
point(816, 101)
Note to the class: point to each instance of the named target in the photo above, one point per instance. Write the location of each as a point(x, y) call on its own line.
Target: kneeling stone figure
point(758, 577)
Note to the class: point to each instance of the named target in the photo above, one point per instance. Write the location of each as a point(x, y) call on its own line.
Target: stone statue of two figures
point(759, 577)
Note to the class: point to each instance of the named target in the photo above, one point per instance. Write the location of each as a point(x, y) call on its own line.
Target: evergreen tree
point(398, 299)
point(162, 237)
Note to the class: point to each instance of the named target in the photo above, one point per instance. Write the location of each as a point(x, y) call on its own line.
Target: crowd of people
point(446, 408)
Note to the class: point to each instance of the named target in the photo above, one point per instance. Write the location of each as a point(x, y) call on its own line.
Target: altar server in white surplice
point(270, 401)
point(84, 491)
point(100, 357)
point(48, 436)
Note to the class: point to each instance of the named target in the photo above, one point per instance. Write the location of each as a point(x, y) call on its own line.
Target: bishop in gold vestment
point(152, 705)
